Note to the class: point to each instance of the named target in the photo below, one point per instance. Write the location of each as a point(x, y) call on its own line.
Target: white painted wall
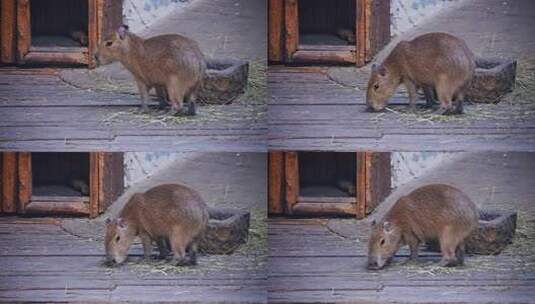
point(141, 165)
point(406, 166)
point(140, 14)
point(406, 14)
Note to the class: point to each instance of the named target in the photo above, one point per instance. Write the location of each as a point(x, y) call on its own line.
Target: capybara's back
point(165, 206)
point(426, 211)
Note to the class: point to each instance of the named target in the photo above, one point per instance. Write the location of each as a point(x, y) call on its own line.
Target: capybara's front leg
point(430, 98)
point(144, 93)
point(192, 253)
point(413, 243)
point(411, 90)
point(162, 248)
point(147, 245)
point(163, 99)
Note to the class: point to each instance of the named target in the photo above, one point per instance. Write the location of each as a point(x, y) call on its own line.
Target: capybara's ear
point(108, 221)
point(122, 31)
point(381, 70)
point(121, 223)
point(374, 67)
point(387, 227)
point(373, 222)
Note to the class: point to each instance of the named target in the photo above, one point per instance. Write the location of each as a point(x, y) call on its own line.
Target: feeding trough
point(493, 78)
point(495, 231)
point(227, 229)
point(224, 81)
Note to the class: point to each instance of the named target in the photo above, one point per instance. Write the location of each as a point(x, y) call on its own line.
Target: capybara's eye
point(375, 87)
point(109, 43)
point(382, 242)
point(117, 238)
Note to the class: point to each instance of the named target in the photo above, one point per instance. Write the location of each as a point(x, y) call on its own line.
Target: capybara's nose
point(373, 265)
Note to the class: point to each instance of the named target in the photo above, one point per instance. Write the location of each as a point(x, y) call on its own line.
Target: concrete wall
point(408, 13)
point(407, 166)
point(141, 165)
point(140, 14)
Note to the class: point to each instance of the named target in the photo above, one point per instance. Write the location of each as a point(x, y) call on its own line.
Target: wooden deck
point(40, 262)
point(310, 263)
point(40, 112)
point(309, 111)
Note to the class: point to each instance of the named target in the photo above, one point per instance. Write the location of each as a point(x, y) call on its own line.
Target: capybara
point(80, 186)
point(172, 64)
point(168, 213)
point(434, 62)
point(432, 212)
point(79, 36)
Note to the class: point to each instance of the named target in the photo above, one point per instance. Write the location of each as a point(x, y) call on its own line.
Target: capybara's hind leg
point(448, 245)
point(176, 95)
point(163, 248)
point(459, 253)
point(178, 246)
point(430, 98)
point(191, 252)
point(163, 99)
point(192, 105)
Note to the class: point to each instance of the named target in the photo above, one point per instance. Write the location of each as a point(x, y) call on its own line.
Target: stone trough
point(227, 230)
point(496, 230)
point(493, 79)
point(224, 81)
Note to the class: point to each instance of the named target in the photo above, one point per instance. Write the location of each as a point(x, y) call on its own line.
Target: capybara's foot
point(182, 262)
point(144, 109)
point(448, 262)
point(443, 111)
point(459, 254)
point(192, 109)
point(162, 104)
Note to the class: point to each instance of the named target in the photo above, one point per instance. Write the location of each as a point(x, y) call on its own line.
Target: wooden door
point(372, 185)
point(106, 184)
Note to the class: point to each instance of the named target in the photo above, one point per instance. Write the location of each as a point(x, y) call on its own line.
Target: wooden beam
point(57, 57)
point(9, 182)
point(291, 172)
point(92, 31)
point(8, 22)
point(25, 180)
point(327, 200)
point(325, 209)
point(94, 184)
point(360, 209)
point(24, 32)
point(291, 22)
point(275, 182)
point(73, 208)
point(317, 56)
point(275, 30)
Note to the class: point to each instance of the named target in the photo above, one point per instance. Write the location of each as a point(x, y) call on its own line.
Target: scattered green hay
point(256, 88)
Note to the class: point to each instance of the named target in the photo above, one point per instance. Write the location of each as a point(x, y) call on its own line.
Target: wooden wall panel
point(275, 30)
point(1, 183)
point(111, 179)
point(24, 179)
point(378, 179)
point(7, 31)
point(291, 22)
point(9, 182)
point(291, 172)
point(24, 34)
point(276, 201)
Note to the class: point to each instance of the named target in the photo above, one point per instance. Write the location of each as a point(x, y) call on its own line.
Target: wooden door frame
point(283, 187)
point(106, 184)
point(372, 34)
point(23, 38)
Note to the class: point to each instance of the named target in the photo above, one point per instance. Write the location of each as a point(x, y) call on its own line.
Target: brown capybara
point(172, 64)
point(166, 213)
point(432, 212)
point(434, 62)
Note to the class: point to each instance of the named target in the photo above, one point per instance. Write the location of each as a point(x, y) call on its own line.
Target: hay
point(256, 89)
